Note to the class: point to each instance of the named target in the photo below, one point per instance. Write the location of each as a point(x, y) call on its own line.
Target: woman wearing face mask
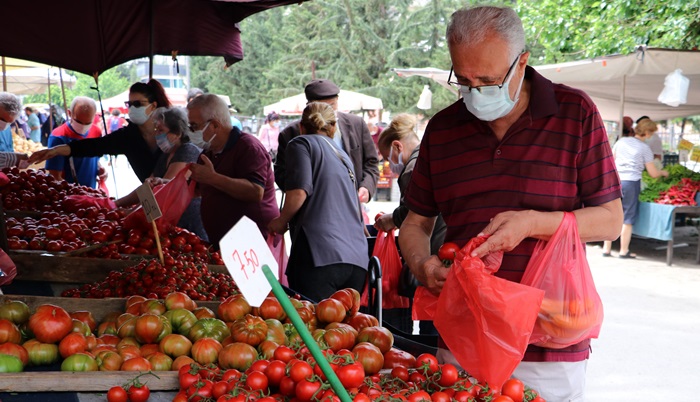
point(329, 247)
point(171, 133)
point(269, 133)
point(135, 141)
point(399, 145)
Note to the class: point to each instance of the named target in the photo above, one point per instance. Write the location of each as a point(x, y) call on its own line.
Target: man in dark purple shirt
point(234, 175)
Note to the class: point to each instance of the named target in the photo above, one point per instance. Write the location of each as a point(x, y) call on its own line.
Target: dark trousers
point(318, 283)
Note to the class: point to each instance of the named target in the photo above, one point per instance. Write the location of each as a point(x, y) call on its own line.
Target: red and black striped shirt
point(555, 157)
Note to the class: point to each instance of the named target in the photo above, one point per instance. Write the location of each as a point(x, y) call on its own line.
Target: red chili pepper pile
point(682, 193)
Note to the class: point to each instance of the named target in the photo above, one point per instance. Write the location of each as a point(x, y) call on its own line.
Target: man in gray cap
point(351, 135)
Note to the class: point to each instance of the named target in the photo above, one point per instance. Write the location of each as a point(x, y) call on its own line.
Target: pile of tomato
point(37, 190)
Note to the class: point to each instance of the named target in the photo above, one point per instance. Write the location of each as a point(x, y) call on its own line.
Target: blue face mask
point(164, 143)
point(491, 102)
point(396, 168)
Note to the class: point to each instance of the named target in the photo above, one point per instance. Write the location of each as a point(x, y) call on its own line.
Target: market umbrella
point(347, 101)
point(91, 36)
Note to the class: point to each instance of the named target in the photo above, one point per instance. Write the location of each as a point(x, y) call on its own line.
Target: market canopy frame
point(348, 101)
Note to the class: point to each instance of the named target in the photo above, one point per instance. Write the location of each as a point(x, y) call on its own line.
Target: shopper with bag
point(172, 136)
point(329, 247)
point(398, 144)
point(505, 161)
point(234, 174)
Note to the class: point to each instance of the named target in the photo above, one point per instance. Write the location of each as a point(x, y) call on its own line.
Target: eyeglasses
point(136, 103)
point(485, 89)
point(193, 126)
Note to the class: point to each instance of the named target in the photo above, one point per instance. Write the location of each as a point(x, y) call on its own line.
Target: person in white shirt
point(632, 156)
point(653, 140)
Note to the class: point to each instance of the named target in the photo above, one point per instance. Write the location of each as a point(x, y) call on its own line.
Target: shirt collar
point(543, 101)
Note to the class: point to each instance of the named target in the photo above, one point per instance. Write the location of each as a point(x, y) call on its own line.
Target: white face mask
point(79, 128)
point(396, 168)
point(276, 123)
point(491, 102)
point(164, 143)
point(197, 138)
point(138, 114)
point(3, 125)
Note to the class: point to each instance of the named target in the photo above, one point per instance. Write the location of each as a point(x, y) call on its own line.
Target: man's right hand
point(433, 274)
point(44, 154)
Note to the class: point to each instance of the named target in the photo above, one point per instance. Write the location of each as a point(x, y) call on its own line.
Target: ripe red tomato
point(305, 389)
point(514, 388)
point(370, 357)
point(50, 323)
point(139, 393)
point(117, 394)
point(419, 396)
point(284, 353)
point(352, 375)
point(448, 375)
point(330, 310)
point(448, 251)
point(256, 381)
point(426, 363)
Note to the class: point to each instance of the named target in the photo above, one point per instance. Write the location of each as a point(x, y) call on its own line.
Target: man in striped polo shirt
point(506, 160)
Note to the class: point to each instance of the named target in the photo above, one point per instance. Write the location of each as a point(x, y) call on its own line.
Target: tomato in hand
point(117, 394)
point(448, 251)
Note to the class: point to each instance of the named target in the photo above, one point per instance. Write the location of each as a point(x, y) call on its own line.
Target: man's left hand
point(203, 173)
point(506, 231)
point(102, 173)
point(363, 194)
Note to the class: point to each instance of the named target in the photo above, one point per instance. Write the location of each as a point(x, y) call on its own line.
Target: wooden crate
point(101, 381)
point(43, 266)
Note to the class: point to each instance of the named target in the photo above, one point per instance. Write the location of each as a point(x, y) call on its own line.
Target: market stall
point(658, 221)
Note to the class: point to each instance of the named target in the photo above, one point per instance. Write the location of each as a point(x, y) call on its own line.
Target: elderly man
point(352, 135)
point(10, 108)
point(506, 161)
point(235, 175)
point(79, 127)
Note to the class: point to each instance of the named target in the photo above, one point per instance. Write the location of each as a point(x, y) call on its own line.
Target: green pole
point(306, 335)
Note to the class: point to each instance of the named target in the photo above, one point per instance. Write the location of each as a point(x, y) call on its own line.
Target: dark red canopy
point(91, 36)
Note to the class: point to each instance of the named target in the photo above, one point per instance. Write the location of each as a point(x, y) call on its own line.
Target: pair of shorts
point(630, 200)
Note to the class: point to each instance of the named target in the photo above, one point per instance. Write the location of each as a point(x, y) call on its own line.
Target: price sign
point(685, 145)
point(695, 155)
point(148, 202)
point(244, 251)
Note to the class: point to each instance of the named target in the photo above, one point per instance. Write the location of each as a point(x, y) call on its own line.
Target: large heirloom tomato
point(209, 328)
point(10, 364)
point(79, 362)
point(41, 353)
point(237, 356)
point(50, 323)
point(206, 350)
point(330, 310)
point(249, 329)
point(15, 311)
point(151, 328)
point(369, 356)
point(378, 336)
point(181, 320)
point(233, 308)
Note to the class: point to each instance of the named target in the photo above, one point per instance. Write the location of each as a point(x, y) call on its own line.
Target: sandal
point(607, 254)
point(628, 255)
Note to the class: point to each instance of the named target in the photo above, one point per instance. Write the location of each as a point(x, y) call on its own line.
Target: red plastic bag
point(425, 303)
point(485, 321)
point(73, 203)
point(279, 251)
point(8, 270)
point(390, 260)
point(571, 310)
point(172, 198)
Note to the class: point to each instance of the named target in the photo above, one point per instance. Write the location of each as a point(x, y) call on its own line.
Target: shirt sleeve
point(8, 159)
point(256, 162)
point(300, 169)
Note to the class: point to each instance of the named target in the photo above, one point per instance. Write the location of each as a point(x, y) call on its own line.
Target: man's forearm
point(240, 189)
point(597, 223)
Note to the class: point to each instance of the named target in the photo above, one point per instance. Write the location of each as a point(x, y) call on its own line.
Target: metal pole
point(622, 105)
point(4, 75)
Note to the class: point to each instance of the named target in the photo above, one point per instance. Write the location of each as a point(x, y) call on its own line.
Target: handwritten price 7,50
point(248, 261)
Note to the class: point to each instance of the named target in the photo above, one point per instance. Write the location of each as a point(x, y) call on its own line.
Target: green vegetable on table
point(652, 187)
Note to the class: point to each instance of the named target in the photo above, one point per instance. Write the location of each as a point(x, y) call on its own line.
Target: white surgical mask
point(138, 114)
point(396, 168)
point(79, 128)
point(491, 102)
point(197, 138)
point(3, 125)
point(276, 123)
point(164, 143)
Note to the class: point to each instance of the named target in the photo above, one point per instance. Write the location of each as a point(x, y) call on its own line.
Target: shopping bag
point(571, 310)
point(485, 321)
point(73, 203)
point(173, 198)
point(675, 92)
point(279, 251)
point(8, 270)
point(425, 303)
point(390, 260)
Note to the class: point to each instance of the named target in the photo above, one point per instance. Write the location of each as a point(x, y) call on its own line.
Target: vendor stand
point(658, 221)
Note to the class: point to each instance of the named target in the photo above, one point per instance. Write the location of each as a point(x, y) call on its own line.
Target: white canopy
point(632, 82)
point(34, 80)
point(347, 101)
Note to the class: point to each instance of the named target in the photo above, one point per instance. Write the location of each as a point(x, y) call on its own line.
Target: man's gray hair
point(211, 107)
point(10, 103)
point(82, 99)
point(470, 25)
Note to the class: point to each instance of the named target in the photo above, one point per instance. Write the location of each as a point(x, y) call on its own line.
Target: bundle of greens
point(653, 187)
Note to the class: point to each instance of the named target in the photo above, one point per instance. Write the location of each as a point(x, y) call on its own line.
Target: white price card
point(148, 202)
point(245, 251)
